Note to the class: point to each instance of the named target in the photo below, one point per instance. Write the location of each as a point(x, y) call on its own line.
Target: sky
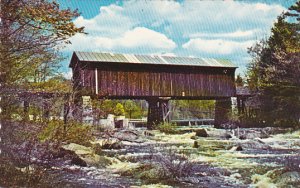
point(190, 28)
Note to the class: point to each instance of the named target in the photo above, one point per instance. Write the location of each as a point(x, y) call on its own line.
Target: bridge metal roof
point(152, 59)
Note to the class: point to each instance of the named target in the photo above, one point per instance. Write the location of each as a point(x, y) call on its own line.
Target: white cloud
point(143, 37)
point(217, 46)
point(68, 75)
point(225, 17)
point(139, 37)
point(264, 7)
point(110, 21)
point(187, 28)
point(235, 34)
point(178, 20)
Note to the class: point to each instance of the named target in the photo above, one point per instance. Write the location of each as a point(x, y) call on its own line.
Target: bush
point(24, 161)
point(173, 165)
point(72, 132)
point(119, 110)
point(168, 128)
point(163, 167)
point(12, 176)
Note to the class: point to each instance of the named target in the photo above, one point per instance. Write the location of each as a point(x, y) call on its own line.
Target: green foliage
point(275, 69)
point(53, 84)
point(239, 81)
point(168, 128)
point(129, 108)
point(149, 173)
point(32, 30)
point(102, 108)
point(184, 109)
point(11, 110)
point(164, 167)
point(12, 176)
point(19, 145)
point(119, 110)
point(133, 109)
point(169, 167)
point(284, 102)
point(73, 132)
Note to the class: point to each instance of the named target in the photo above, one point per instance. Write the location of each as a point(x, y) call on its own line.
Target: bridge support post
point(222, 111)
point(157, 112)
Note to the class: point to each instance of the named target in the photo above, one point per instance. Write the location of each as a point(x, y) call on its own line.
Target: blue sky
point(215, 29)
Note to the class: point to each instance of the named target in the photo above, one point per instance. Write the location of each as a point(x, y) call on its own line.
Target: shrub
point(119, 110)
point(168, 128)
point(72, 132)
point(163, 167)
point(174, 165)
point(12, 176)
point(24, 161)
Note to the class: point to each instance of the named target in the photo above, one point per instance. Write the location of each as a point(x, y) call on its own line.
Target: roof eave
point(141, 64)
point(74, 56)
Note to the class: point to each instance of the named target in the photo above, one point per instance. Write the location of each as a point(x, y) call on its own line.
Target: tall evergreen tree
point(275, 70)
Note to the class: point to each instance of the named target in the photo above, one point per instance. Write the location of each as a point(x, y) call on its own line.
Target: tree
point(275, 69)
point(129, 107)
point(193, 109)
point(239, 81)
point(133, 109)
point(31, 34)
point(119, 110)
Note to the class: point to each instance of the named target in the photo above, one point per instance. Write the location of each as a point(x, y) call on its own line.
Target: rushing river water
point(217, 161)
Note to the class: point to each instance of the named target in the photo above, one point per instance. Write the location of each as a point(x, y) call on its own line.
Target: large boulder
point(76, 160)
point(126, 135)
point(237, 148)
point(255, 144)
point(201, 133)
point(86, 156)
point(252, 134)
point(112, 145)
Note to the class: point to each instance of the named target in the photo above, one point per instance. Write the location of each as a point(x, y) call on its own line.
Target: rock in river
point(201, 133)
point(86, 156)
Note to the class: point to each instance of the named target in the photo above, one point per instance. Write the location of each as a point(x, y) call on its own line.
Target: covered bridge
point(154, 78)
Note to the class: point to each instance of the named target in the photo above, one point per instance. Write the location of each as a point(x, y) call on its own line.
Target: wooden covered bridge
point(156, 79)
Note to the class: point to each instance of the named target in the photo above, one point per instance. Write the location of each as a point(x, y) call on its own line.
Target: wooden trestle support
point(158, 111)
point(222, 111)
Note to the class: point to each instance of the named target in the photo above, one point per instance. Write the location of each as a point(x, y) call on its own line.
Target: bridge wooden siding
point(121, 76)
point(118, 80)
